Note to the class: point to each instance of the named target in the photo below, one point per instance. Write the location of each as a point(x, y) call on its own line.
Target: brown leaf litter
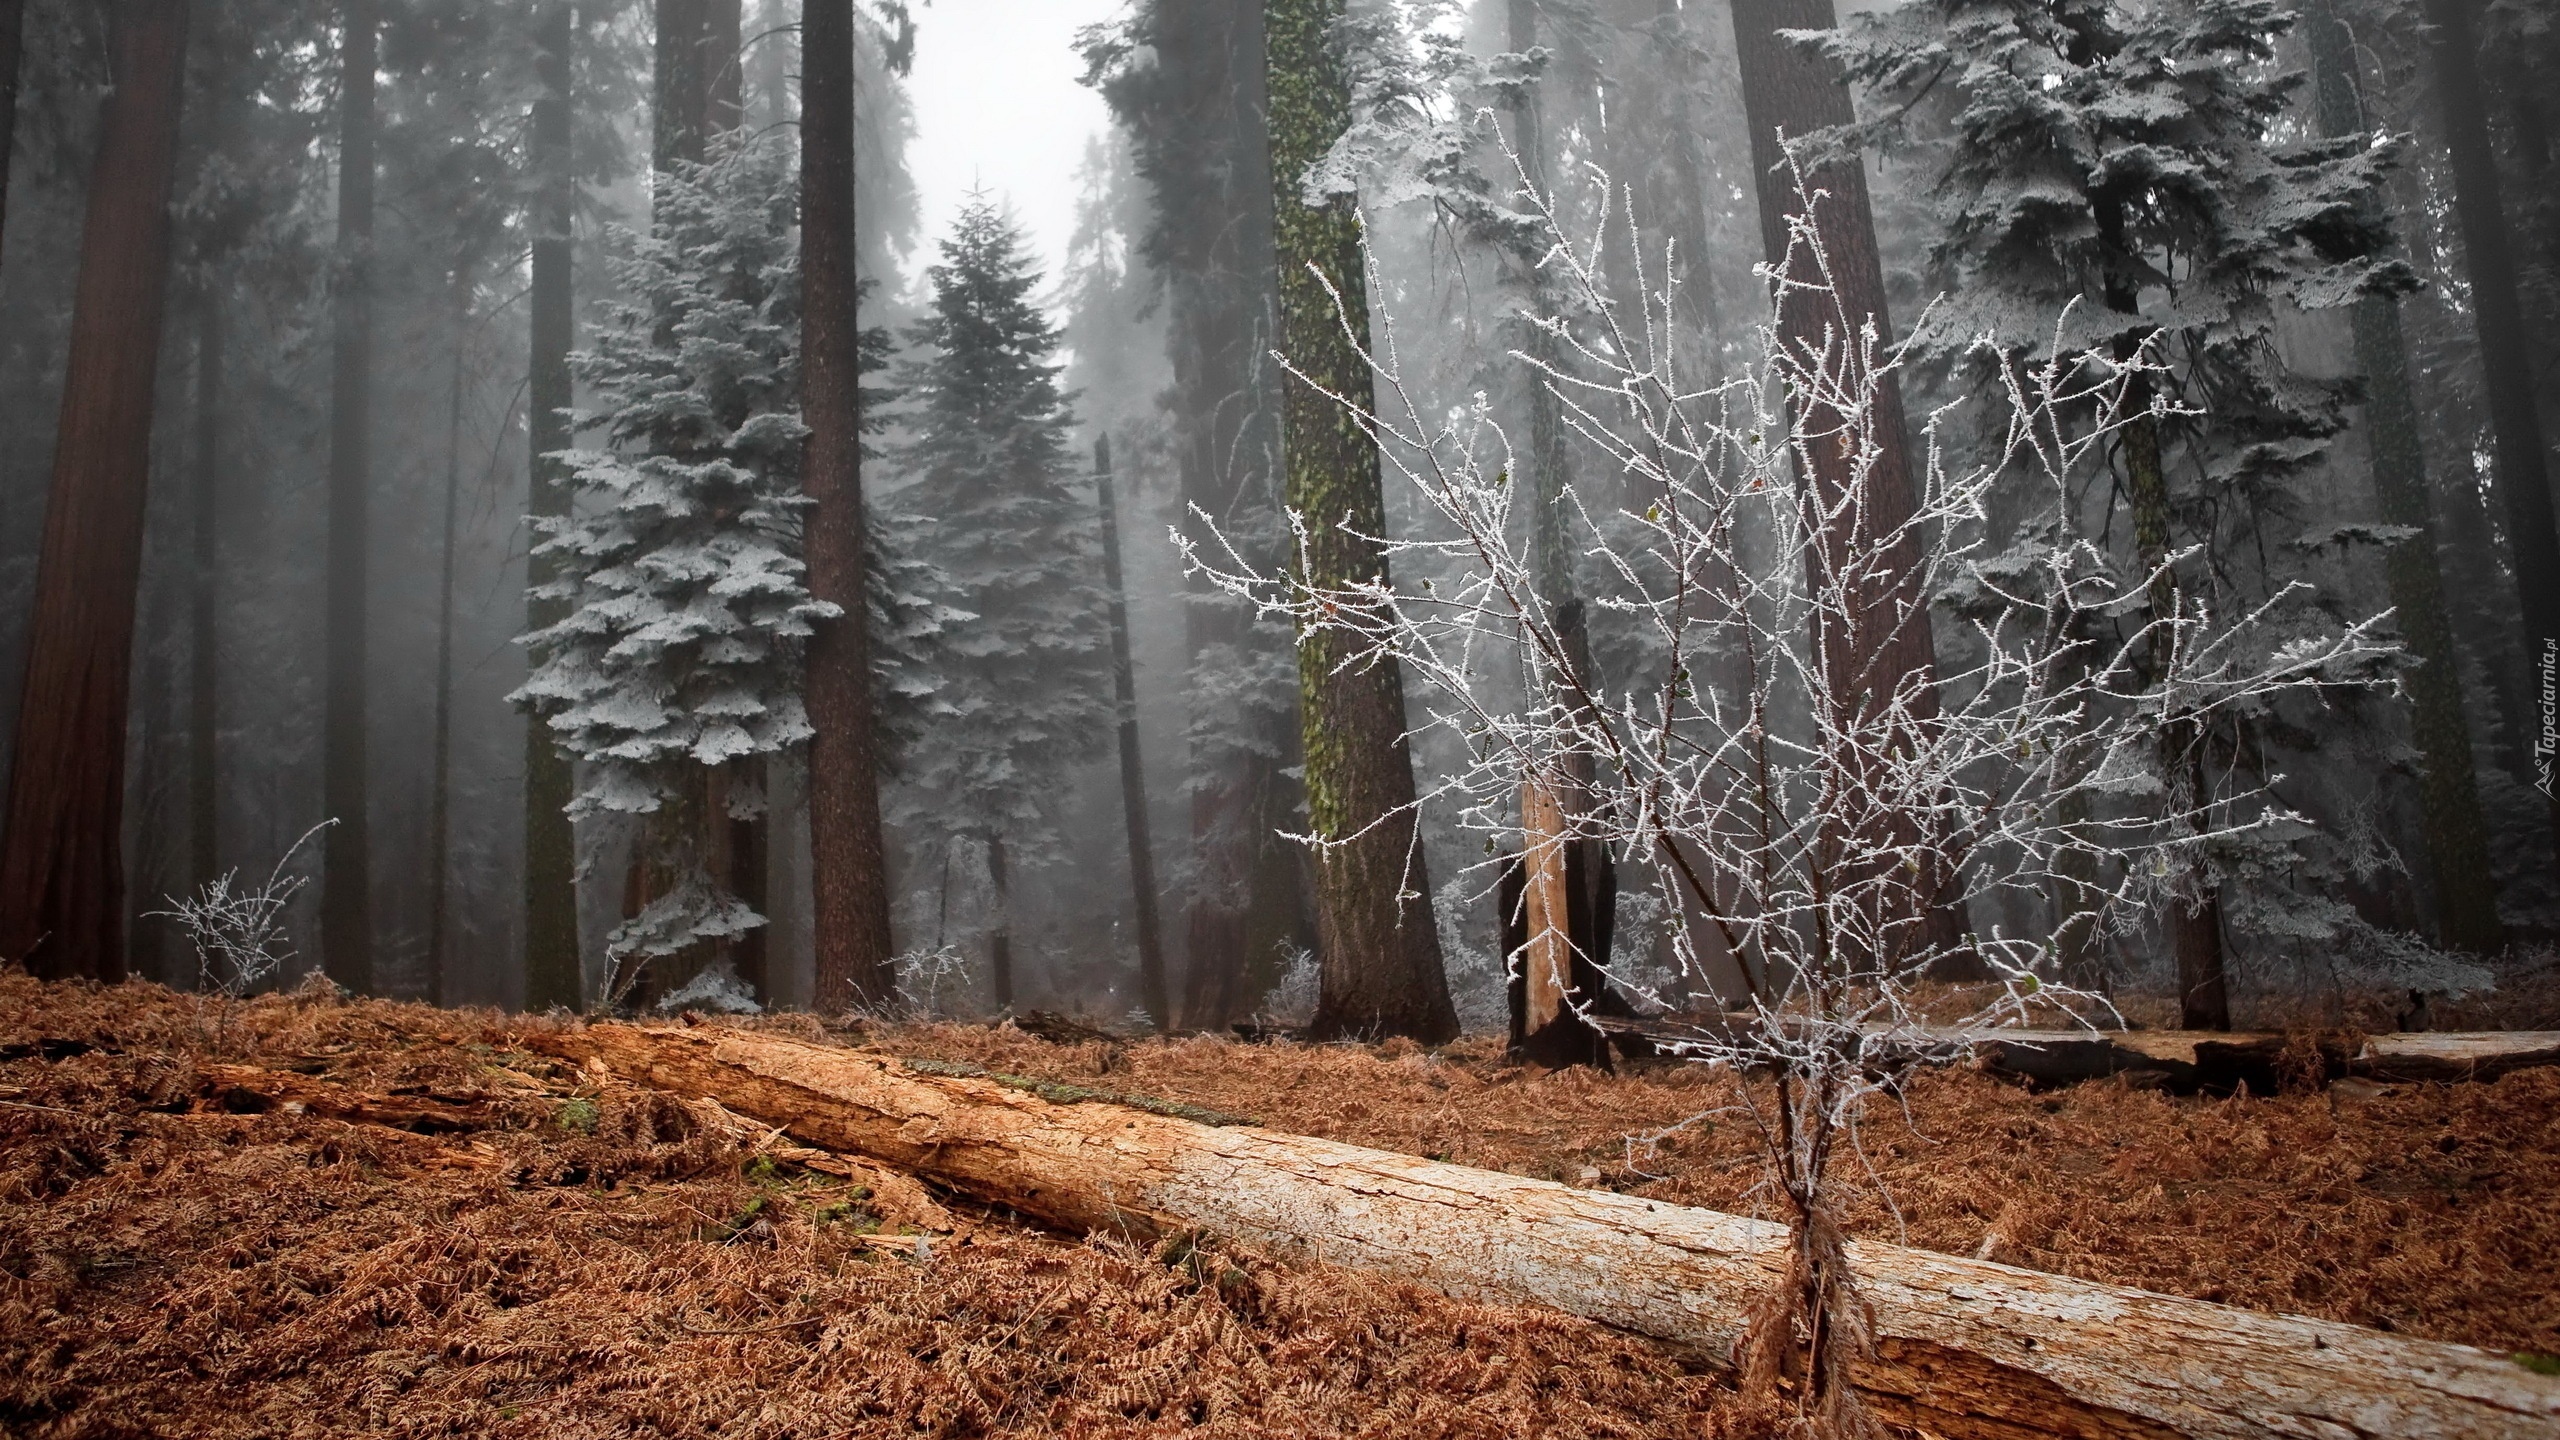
point(498, 1244)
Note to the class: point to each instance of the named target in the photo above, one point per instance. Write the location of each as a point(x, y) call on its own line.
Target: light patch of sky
point(997, 107)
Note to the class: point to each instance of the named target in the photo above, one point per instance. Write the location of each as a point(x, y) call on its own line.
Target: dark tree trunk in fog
point(1133, 773)
point(2448, 789)
point(1379, 946)
point(61, 862)
point(204, 711)
point(723, 87)
point(1201, 128)
point(848, 864)
point(13, 26)
point(346, 908)
point(440, 765)
point(679, 95)
point(1692, 224)
point(1545, 458)
point(1000, 934)
point(551, 962)
point(1788, 89)
point(2497, 314)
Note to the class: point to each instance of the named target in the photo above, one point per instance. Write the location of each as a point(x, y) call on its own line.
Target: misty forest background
point(2378, 369)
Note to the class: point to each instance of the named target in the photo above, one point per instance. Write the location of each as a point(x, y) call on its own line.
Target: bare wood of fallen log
point(2191, 1060)
point(1969, 1350)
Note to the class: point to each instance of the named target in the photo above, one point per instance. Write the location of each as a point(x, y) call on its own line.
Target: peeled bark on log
point(251, 1089)
point(1967, 1348)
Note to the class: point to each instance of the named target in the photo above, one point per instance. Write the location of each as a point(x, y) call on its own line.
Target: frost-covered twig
point(238, 931)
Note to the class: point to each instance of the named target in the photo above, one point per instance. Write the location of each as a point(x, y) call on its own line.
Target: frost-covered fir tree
point(1000, 507)
point(2135, 167)
point(679, 659)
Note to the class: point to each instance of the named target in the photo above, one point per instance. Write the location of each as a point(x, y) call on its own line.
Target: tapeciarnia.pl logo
point(2546, 744)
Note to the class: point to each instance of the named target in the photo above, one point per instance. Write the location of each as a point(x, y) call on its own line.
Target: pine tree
point(1025, 688)
point(680, 655)
point(2123, 161)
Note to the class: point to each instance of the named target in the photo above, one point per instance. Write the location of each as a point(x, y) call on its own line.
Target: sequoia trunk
point(2448, 788)
point(2506, 362)
point(1788, 93)
point(1379, 945)
point(61, 865)
point(847, 862)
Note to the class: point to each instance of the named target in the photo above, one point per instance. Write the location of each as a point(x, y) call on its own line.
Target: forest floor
point(575, 1258)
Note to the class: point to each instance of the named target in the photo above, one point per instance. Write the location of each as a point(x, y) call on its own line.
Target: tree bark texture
point(13, 29)
point(1133, 772)
point(1884, 638)
point(2506, 362)
point(723, 88)
point(848, 862)
point(1379, 946)
point(61, 861)
point(440, 760)
point(1247, 900)
point(1967, 1349)
point(679, 96)
point(346, 901)
point(1000, 934)
point(204, 637)
point(552, 975)
point(2448, 786)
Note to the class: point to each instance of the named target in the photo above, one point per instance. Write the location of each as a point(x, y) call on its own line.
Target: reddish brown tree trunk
point(61, 868)
point(1787, 89)
point(848, 864)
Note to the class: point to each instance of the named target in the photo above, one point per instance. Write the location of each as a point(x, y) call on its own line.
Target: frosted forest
point(1822, 718)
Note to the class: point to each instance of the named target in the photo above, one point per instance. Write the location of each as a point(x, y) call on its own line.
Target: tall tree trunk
point(204, 637)
point(1000, 934)
point(848, 862)
point(1379, 946)
point(723, 87)
point(346, 902)
point(439, 782)
point(1693, 224)
point(1788, 89)
point(2497, 316)
point(1248, 898)
point(61, 860)
point(551, 962)
point(2195, 917)
point(2448, 789)
point(13, 26)
point(679, 95)
point(1133, 773)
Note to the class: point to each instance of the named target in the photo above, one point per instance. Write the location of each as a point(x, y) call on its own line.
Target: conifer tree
point(2125, 162)
point(680, 653)
point(1025, 689)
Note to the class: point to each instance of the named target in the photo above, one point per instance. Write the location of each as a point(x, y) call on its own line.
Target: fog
point(1065, 216)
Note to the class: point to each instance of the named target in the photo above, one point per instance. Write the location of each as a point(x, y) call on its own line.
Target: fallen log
point(2189, 1061)
point(1969, 1350)
point(254, 1090)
